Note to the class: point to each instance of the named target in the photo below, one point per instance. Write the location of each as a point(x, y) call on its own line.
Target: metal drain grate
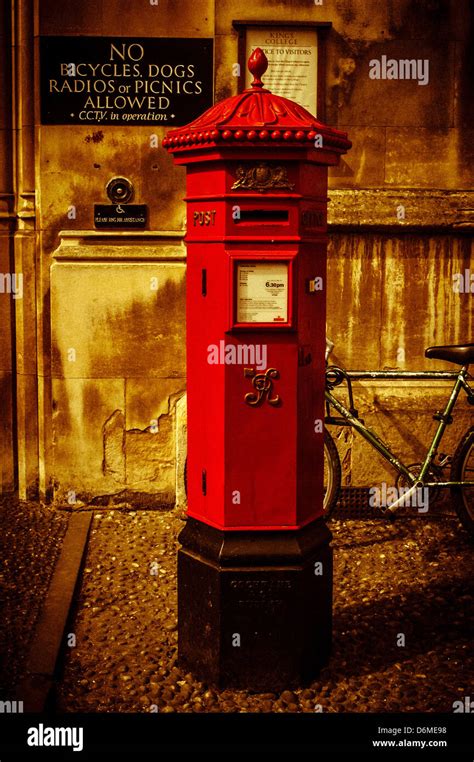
point(353, 503)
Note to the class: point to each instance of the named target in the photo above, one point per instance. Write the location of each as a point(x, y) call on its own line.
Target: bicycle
point(430, 473)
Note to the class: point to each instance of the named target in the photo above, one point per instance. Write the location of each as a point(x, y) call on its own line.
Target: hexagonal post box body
point(256, 199)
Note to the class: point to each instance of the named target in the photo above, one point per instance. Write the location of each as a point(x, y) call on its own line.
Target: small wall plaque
point(111, 216)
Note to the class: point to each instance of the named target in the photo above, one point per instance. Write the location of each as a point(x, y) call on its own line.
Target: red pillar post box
point(255, 566)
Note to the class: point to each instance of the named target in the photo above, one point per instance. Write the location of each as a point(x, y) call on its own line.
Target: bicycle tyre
point(462, 467)
point(332, 468)
point(332, 474)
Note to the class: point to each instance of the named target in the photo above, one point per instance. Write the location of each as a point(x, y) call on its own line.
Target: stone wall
point(401, 217)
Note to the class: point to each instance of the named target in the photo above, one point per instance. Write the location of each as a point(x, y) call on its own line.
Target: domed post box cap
point(256, 117)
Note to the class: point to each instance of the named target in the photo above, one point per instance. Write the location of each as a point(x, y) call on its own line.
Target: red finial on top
point(258, 64)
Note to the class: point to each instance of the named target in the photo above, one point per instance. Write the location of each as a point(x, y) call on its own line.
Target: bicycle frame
point(350, 418)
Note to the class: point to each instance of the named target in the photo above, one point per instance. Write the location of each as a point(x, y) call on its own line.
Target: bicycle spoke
point(468, 492)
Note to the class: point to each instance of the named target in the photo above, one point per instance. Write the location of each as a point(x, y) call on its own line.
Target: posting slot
point(262, 215)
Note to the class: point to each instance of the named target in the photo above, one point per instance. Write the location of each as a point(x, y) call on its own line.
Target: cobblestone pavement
point(412, 578)
point(30, 541)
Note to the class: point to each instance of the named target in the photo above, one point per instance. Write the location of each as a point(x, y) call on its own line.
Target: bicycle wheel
point(332, 474)
point(462, 469)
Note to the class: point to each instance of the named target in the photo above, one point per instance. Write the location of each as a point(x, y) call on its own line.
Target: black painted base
point(254, 608)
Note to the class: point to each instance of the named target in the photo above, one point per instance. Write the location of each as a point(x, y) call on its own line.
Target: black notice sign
point(125, 80)
point(120, 215)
